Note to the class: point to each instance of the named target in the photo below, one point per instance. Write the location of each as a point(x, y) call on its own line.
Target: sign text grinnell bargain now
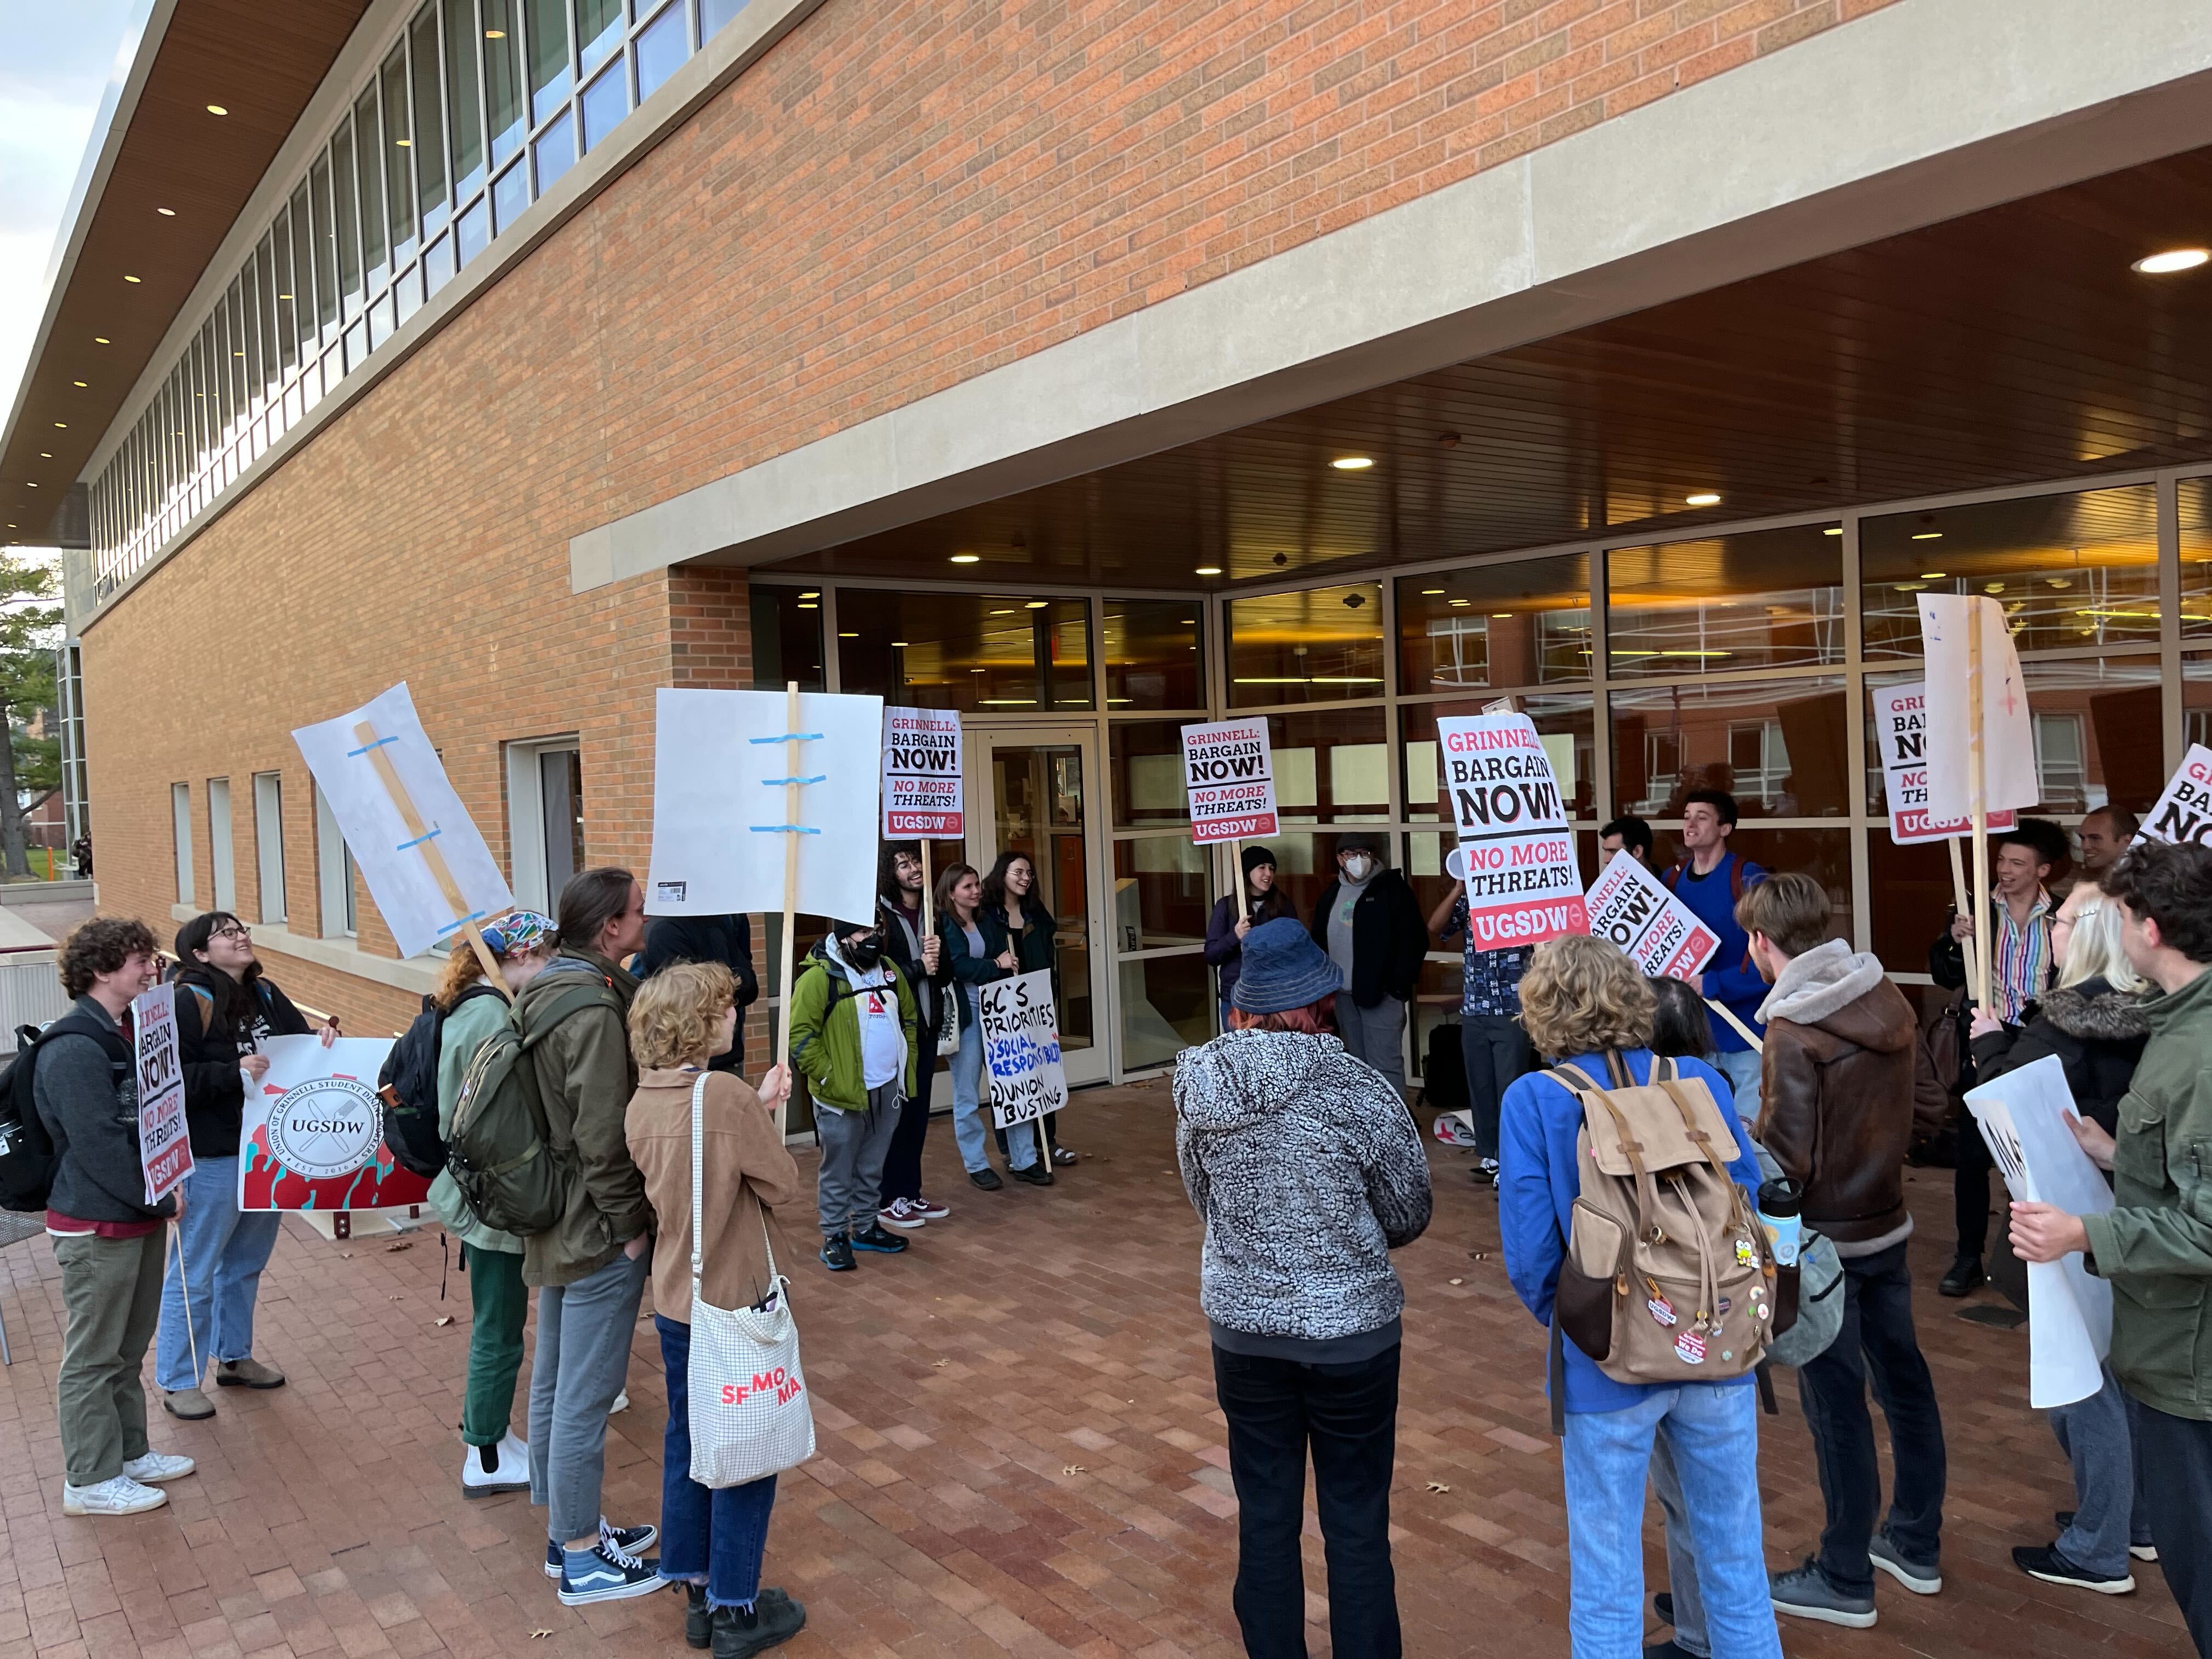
point(1515, 852)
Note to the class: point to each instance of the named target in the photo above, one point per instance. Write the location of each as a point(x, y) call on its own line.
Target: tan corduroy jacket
point(745, 1168)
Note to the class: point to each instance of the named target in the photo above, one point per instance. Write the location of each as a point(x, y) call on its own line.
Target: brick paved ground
point(1019, 1454)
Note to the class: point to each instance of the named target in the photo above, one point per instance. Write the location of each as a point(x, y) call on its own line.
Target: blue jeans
point(1712, 1435)
point(1740, 1067)
point(2109, 1513)
point(970, 1132)
point(715, 1537)
point(224, 1253)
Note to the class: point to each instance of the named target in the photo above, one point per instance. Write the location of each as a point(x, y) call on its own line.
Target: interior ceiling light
point(167, 213)
point(101, 339)
point(1432, 593)
point(495, 34)
point(2173, 259)
point(812, 594)
point(81, 383)
point(1352, 463)
point(967, 558)
point(1501, 616)
point(1008, 611)
point(1931, 576)
point(898, 645)
point(1927, 535)
point(848, 636)
point(48, 454)
point(1833, 530)
point(1208, 570)
point(1037, 604)
point(130, 279)
point(1704, 498)
point(61, 426)
point(404, 143)
point(216, 109)
point(1458, 602)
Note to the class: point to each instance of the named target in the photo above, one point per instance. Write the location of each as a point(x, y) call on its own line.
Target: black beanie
point(1254, 856)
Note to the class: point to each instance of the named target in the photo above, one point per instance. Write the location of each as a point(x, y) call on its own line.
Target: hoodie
point(1837, 1080)
point(1307, 1171)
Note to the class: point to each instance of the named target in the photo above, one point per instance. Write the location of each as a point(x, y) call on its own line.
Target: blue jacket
point(1538, 1181)
point(1729, 974)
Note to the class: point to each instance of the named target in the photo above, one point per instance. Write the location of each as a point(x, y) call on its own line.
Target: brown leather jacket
point(1837, 1086)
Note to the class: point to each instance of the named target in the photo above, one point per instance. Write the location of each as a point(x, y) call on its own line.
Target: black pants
point(1496, 1051)
point(1347, 1416)
point(2174, 1457)
point(1877, 1342)
point(1970, 1187)
point(902, 1164)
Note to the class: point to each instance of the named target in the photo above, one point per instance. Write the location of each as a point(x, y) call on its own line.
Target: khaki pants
point(112, 1291)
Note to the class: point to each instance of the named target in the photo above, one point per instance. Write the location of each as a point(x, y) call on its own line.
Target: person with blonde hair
point(2093, 1025)
point(470, 1009)
point(1585, 1003)
point(712, 1540)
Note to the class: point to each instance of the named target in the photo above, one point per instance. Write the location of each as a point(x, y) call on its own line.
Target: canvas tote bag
point(749, 1413)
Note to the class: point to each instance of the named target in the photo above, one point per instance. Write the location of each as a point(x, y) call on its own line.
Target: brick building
point(1093, 366)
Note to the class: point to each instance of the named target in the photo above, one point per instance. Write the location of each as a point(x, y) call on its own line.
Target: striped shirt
point(2022, 962)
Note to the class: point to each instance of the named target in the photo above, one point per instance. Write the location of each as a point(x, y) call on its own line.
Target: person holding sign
point(1709, 879)
point(1010, 899)
point(108, 1240)
point(1493, 1046)
point(226, 1006)
point(975, 954)
point(1369, 922)
point(915, 948)
point(2156, 1244)
point(1237, 915)
point(853, 1039)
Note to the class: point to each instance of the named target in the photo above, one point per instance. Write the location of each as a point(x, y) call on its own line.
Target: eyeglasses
point(236, 930)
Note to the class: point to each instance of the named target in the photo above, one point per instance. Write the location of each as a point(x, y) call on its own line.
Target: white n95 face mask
point(1359, 865)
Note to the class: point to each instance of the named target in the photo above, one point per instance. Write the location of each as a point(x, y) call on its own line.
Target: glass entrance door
point(1033, 792)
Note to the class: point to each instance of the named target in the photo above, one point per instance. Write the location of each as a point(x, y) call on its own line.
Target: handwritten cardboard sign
point(165, 1149)
point(1229, 772)
point(1515, 852)
point(1901, 727)
point(2184, 813)
point(922, 773)
point(1630, 908)
point(1021, 1046)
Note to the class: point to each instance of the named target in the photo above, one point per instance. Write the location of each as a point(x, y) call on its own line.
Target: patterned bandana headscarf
point(518, 931)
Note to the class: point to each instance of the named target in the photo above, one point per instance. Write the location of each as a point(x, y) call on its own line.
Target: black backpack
point(26, 1151)
point(407, 1083)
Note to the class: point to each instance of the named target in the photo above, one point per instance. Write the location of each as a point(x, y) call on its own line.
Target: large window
point(1155, 652)
point(1770, 599)
point(998, 654)
point(1526, 622)
point(1322, 645)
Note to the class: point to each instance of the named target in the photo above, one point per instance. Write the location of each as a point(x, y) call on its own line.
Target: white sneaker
point(486, 1470)
point(121, 1496)
point(621, 1403)
point(156, 1467)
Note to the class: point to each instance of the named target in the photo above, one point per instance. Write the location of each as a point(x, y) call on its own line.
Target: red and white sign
point(922, 773)
point(2184, 813)
point(1516, 853)
point(1630, 908)
point(165, 1150)
point(1230, 771)
point(1900, 728)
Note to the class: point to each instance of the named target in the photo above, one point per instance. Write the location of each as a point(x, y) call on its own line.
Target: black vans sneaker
point(837, 1253)
point(775, 1618)
point(2052, 1568)
point(873, 1237)
point(603, 1573)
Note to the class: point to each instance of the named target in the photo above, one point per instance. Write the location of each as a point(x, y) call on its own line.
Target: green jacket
point(825, 1033)
point(586, 1078)
point(463, 1033)
point(2155, 1244)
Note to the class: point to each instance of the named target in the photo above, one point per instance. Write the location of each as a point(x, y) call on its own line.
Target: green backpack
point(500, 1153)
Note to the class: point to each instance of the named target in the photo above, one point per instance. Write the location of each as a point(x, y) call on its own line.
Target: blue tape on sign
point(788, 737)
point(366, 747)
point(783, 830)
point(418, 840)
point(453, 926)
point(818, 779)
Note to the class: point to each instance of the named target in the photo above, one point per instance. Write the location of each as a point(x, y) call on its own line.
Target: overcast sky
point(56, 58)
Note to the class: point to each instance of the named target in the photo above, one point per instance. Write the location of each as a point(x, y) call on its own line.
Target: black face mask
point(863, 952)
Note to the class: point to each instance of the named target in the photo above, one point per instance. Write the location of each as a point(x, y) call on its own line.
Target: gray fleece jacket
point(1308, 1171)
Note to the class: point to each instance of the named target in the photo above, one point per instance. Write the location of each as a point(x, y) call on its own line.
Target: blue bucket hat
point(1283, 968)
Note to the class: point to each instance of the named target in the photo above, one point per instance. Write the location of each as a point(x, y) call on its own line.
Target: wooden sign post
point(1969, 945)
point(423, 838)
point(792, 783)
point(1977, 802)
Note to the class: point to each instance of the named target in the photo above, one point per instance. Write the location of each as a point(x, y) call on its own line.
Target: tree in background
point(29, 630)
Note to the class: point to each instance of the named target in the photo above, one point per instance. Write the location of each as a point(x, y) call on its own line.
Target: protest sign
point(1631, 908)
point(313, 1136)
point(1229, 772)
point(726, 766)
point(1516, 853)
point(1967, 641)
point(1900, 724)
point(2184, 813)
point(922, 773)
point(165, 1150)
point(426, 867)
point(2069, 1310)
point(1021, 1048)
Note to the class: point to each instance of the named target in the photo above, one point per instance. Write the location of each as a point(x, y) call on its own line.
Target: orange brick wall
point(898, 196)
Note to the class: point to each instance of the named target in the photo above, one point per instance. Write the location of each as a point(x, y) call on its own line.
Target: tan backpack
point(1668, 1276)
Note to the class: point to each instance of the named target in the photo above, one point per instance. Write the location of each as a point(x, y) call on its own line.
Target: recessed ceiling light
point(1927, 535)
point(130, 279)
point(1208, 570)
point(1833, 530)
point(1501, 616)
point(81, 383)
point(1931, 576)
point(101, 339)
point(2173, 259)
point(1037, 604)
point(61, 426)
point(967, 558)
point(29, 485)
point(167, 213)
point(1703, 498)
point(1008, 611)
point(216, 109)
point(1432, 593)
point(45, 454)
point(1352, 463)
point(1456, 602)
point(404, 143)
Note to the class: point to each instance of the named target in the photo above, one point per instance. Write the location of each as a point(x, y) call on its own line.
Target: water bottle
point(1779, 1202)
